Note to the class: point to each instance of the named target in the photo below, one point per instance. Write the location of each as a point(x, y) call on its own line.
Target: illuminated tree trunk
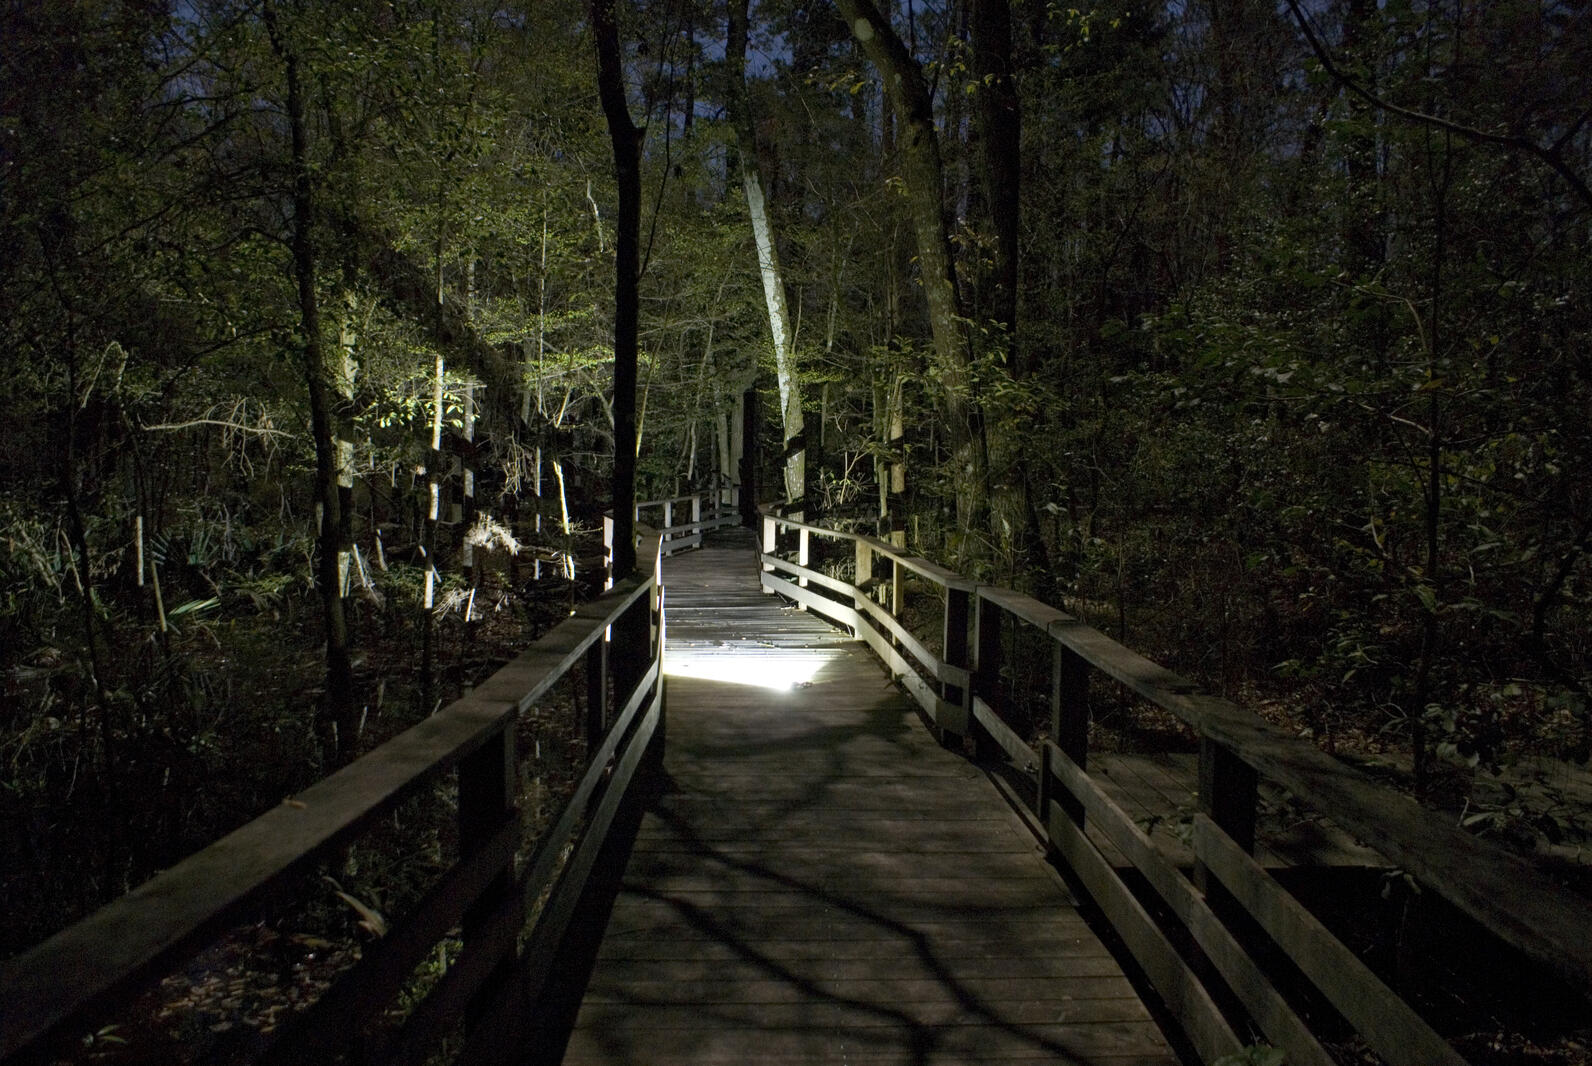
point(428, 539)
point(923, 175)
point(347, 371)
point(790, 397)
point(626, 141)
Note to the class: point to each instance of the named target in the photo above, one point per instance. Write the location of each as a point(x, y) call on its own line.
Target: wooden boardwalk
point(819, 882)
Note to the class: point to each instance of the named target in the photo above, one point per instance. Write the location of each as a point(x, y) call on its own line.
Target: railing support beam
point(986, 666)
point(861, 581)
point(1228, 793)
point(1069, 726)
point(596, 692)
point(488, 781)
point(956, 653)
point(770, 541)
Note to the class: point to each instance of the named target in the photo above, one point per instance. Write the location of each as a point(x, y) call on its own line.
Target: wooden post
point(668, 519)
point(655, 650)
point(696, 517)
point(897, 574)
point(487, 784)
point(631, 648)
point(608, 550)
point(861, 579)
point(986, 662)
point(802, 554)
point(1069, 725)
point(955, 647)
point(1227, 793)
point(770, 541)
point(596, 692)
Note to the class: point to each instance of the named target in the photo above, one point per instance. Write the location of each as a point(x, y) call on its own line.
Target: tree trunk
point(626, 141)
point(428, 539)
point(924, 177)
point(790, 398)
point(317, 376)
point(1000, 127)
point(1000, 123)
point(745, 449)
point(347, 372)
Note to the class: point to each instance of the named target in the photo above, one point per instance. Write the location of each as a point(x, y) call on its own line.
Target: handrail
point(1500, 891)
point(679, 536)
point(77, 975)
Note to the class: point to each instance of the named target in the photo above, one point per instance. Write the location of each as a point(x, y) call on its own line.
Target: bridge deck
point(820, 882)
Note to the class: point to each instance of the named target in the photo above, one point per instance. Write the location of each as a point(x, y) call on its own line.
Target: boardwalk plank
point(752, 988)
point(885, 967)
point(624, 1040)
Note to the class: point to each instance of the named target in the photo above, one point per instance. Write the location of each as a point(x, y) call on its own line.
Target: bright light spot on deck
point(749, 666)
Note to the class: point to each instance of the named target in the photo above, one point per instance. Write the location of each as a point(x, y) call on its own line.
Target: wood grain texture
point(819, 881)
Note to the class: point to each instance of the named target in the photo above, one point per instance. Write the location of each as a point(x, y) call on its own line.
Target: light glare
point(775, 672)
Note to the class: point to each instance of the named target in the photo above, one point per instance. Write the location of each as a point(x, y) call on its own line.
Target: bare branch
point(1549, 155)
point(238, 427)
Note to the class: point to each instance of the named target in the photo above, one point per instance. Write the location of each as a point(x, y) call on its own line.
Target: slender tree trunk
point(347, 372)
point(626, 140)
point(790, 397)
point(339, 670)
point(467, 516)
point(745, 448)
point(428, 542)
point(1362, 236)
point(1431, 622)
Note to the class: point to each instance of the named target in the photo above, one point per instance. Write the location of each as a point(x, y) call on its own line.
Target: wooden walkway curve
point(817, 881)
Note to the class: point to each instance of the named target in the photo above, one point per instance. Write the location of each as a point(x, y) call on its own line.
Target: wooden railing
point(681, 521)
point(960, 688)
point(511, 915)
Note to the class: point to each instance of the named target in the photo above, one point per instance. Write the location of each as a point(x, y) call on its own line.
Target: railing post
point(608, 551)
point(1069, 726)
point(596, 692)
point(897, 576)
point(955, 652)
point(770, 541)
point(987, 660)
point(696, 517)
point(861, 579)
point(668, 520)
point(631, 651)
point(1227, 793)
point(802, 554)
point(488, 779)
point(656, 647)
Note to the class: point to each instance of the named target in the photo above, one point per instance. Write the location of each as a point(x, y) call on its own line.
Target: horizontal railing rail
point(960, 688)
point(512, 914)
point(681, 521)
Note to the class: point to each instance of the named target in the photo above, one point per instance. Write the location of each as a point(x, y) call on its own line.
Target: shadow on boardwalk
point(809, 878)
